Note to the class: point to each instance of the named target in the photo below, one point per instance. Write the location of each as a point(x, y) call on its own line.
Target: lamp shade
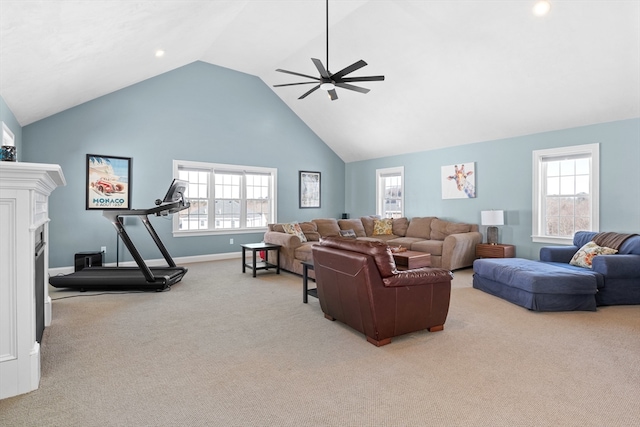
point(492, 217)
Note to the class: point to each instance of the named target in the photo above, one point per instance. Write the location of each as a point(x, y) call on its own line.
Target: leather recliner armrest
point(418, 276)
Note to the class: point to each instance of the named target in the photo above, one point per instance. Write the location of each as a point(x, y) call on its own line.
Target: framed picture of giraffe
point(459, 181)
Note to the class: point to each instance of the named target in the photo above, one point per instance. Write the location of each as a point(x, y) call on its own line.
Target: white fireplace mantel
point(24, 201)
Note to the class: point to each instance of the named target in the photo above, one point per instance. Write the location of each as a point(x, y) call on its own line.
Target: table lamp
point(492, 218)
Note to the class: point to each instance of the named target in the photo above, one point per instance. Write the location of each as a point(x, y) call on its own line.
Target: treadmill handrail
point(163, 209)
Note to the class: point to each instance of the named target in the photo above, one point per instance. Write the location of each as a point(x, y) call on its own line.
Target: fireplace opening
point(39, 281)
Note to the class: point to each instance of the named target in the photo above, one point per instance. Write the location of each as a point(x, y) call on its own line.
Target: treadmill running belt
point(106, 278)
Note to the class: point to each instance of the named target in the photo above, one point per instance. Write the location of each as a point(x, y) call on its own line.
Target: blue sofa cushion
point(538, 277)
point(629, 246)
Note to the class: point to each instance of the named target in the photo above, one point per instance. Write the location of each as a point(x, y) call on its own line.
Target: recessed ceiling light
point(159, 53)
point(541, 8)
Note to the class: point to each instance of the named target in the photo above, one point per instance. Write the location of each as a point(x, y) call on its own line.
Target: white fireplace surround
point(24, 199)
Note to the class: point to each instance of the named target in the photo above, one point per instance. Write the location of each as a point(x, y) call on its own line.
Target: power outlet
point(231, 241)
point(103, 249)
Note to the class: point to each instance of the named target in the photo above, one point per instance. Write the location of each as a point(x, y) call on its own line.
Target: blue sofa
point(552, 284)
point(618, 275)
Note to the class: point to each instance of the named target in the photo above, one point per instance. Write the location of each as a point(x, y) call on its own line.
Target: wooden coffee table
point(409, 260)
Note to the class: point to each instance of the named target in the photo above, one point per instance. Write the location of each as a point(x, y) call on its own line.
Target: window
point(390, 192)
point(565, 192)
point(225, 198)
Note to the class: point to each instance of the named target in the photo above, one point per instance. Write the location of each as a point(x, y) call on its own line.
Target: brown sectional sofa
point(451, 244)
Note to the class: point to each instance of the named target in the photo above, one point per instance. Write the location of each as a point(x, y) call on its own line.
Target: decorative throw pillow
point(348, 233)
point(294, 228)
point(584, 256)
point(310, 230)
point(382, 227)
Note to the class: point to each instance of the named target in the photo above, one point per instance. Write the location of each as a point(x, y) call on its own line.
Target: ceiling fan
point(329, 81)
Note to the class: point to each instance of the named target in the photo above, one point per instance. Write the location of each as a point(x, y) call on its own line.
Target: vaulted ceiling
point(457, 72)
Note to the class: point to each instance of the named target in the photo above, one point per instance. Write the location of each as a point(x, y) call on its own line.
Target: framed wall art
point(108, 182)
point(459, 181)
point(309, 186)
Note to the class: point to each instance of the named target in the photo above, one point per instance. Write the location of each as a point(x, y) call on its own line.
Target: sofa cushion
point(367, 223)
point(304, 253)
point(382, 227)
point(536, 276)
point(441, 229)
point(310, 231)
point(327, 227)
point(420, 227)
point(400, 226)
point(352, 224)
point(405, 242)
point(294, 228)
point(433, 247)
point(584, 256)
point(276, 227)
point(629, 246)
point(381, 238)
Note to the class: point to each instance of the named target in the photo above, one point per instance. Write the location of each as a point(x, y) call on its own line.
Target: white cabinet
point(24, 220)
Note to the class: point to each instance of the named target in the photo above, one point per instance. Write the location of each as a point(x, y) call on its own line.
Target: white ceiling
point(457, 72)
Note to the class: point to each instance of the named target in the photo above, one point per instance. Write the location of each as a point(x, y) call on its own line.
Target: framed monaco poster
point(108, 182)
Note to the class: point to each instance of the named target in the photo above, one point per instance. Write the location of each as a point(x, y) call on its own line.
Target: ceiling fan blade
point(297, 74)
point(350, 69)
point(295, 84)
point(311, 91)
point(363, 79)
point(332, 94)
point(352, 87)
point(323, 72)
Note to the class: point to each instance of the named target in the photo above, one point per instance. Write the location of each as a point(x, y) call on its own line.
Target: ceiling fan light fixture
point(327, 86)
point(541, 7)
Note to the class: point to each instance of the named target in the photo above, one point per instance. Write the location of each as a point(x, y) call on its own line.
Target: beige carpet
point(224, 349)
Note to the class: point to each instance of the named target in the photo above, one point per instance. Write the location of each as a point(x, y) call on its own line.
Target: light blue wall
point(6, 116)
point(504, 180)
point(199, 112)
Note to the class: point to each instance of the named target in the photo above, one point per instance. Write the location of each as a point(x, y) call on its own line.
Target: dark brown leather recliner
point(359, 285)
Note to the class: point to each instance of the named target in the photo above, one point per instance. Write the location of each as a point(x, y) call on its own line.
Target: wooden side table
point(485, 250)
point(255, 247)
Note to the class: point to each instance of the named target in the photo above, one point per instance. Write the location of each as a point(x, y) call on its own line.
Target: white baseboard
point(158, 262)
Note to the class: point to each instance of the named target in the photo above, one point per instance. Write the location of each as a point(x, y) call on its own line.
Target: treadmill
point(141, 277)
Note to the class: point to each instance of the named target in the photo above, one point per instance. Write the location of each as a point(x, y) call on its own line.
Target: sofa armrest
point(557, 253)
point(617, 266)
point(459, 250)
point(418, 276)
point(289, 241)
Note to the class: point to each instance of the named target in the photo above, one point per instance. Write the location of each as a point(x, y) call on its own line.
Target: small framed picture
point(459, 181)
point(309, 186)
point(108, 182)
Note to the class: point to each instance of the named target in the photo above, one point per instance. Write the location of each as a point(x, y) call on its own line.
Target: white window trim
point(594, 183)
point(222, 166)
point(379, 196)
